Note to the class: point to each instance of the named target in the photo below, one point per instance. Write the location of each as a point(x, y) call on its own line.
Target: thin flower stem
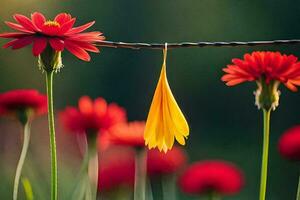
point(86, 187)
point(157, 187)
point(140, 176)
point(26, 140)
point(264, 167)
point(49, 84)
point(92, 170)
point(82, 180)
point(92, 174)
point(214, 196)
point(298, 190)
point(169, 187)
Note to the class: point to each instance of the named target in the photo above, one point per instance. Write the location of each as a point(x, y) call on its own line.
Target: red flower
point(116, 169)
point(15, 101)
point(211, 176)
point(289, 143)
point(59, 33)
point(92, 116)
point(264, 65)
point(128, 134)
point(159, 163)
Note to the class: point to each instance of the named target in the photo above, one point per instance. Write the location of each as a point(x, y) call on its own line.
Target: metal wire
point(111, 44)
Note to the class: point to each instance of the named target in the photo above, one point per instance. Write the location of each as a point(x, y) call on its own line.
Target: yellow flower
point(165, 120)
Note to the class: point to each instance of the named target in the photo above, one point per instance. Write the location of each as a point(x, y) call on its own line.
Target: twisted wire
point(127, 45)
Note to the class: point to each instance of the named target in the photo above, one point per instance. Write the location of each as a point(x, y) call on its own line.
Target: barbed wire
point(127, 45)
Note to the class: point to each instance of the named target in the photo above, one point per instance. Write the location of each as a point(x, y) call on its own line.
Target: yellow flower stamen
point(51, 23)
point(165, 120)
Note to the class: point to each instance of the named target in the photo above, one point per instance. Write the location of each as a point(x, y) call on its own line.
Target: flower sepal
point(50, 60)
point(267, 94)
point(24, 115)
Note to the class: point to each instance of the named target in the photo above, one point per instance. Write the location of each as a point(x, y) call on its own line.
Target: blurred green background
point(224, 122)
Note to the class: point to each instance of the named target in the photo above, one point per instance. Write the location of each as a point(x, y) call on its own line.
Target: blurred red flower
point(15, 101)
point(59, 32)
point(92, 116)
point(116, 168)
point(267, 65)
point(289, 143)
point(127, 134)
point(160, 163)
point(211, 176)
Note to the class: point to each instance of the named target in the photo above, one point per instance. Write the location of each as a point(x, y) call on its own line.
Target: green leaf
point(27, 189)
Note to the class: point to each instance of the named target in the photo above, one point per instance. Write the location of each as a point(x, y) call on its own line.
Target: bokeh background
point(224, 122)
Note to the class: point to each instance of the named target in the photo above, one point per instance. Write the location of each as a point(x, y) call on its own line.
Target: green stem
point(140, 176)
point(26, 140)
point(169, 186)
point(92, 173)
point(264, 167)
point(156, 187)
point(82, 180)
point(49, 84)
point(214, 196)
point(298, 190)
point(85, 187)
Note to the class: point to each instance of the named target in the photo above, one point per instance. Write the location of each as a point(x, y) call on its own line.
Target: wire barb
point(127, 45)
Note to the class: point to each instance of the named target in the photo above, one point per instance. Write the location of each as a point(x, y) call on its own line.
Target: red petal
point(39, 45)
point(85, 105)
point(50, 30)
point(88, 37)
point(67, 26)
point(57, 44)
point(87, 46)
point(234, 82)
point(90, 47)
point(290, 86)
point(80, 28)
point(100, 106)
point(62, 18)
point(38, 19)
point(25, 22)
point(14, 35)
point(10, 43)
point(77, 51)
point(22, 42)
point(17, 27)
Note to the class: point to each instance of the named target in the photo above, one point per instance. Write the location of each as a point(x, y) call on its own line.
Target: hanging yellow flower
point(165, 120)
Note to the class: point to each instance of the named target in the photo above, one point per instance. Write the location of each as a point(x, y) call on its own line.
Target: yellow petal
point(165, 121)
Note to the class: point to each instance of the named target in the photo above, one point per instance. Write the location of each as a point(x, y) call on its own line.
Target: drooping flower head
point(23, 103)
point(127, 134)
point(214, 176)
point(289, 144)
point(165, 121)
point(159, 163)
point(116, 169)
point(58, 33)
point(268, 69)
point(92, 116)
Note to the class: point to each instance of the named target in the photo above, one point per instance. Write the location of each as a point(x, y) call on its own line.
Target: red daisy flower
point(211, 176)
point(92, 116)
point(159, 163)
point(116, 169)
point(269, 66)
point(289, 144)
point(14, 102)
point(127, 134)
point(59, 33)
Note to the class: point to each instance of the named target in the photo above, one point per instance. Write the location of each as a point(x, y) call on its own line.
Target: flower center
point(52, 23)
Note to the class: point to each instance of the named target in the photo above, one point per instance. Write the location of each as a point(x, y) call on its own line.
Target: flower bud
point(267, 94)
point(50, 60)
